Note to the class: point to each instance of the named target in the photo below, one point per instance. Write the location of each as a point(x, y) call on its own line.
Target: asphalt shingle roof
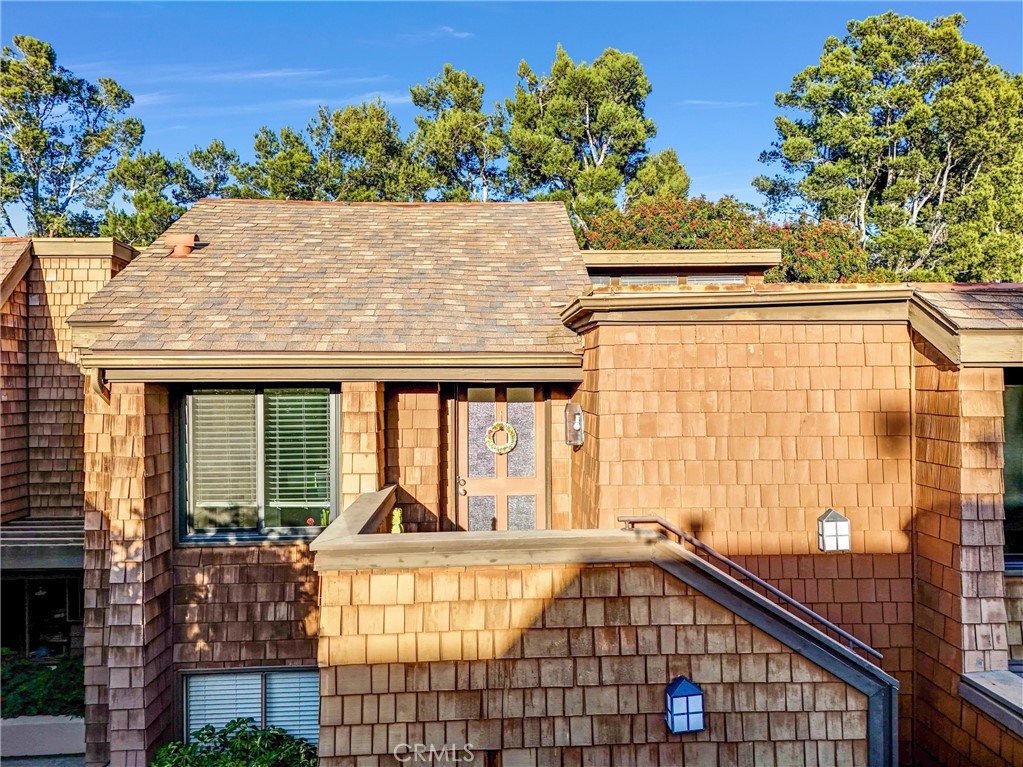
point(978, 307)
point(284, 276)
point(11, 251)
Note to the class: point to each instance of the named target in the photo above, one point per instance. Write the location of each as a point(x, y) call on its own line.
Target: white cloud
point(241, 75)
point(282, 105)
point(436, 33)
point(151, 99)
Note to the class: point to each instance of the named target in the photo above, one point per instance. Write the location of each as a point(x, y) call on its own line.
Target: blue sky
point(201, 71)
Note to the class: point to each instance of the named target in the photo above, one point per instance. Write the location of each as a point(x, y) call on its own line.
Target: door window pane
point(482, 512)
point(482, 414)
point(521, 512)
point(522, 416)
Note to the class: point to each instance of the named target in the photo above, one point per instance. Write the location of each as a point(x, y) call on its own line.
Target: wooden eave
point(874, 304)
point(739, 304)
point(190, 366)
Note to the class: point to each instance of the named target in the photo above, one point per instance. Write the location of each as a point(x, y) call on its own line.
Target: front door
point(501, 480)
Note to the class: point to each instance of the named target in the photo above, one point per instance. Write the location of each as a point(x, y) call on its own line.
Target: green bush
point(239, 744)
point(33, 688)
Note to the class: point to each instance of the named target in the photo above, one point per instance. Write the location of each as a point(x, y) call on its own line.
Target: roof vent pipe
point(183, 243)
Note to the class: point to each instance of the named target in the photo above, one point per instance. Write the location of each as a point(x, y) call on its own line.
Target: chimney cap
point(182, 242)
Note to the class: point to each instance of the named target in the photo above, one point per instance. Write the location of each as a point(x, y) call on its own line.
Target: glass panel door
point(501, 478)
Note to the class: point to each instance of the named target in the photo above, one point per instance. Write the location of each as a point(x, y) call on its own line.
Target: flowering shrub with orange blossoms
point(826, 251)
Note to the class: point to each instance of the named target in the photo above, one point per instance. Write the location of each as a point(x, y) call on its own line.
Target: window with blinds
point(223, 465)
point(296, 428)
point(259, 459)
point(286, 699)
point(216, 699)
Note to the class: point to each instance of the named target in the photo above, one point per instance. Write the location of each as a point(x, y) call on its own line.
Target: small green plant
point(239, 744)
point(33, 688)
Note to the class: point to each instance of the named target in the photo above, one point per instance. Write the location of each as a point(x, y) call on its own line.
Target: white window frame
point(188, 535)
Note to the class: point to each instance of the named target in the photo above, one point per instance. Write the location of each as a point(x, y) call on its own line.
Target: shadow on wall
point(244, 606)
point(565, 659)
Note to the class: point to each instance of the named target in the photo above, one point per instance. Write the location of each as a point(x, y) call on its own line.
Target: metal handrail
point(631, 522)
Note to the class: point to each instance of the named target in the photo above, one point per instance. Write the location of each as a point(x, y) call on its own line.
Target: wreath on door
point(511, 437)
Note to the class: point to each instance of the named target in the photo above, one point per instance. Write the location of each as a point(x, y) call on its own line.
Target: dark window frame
point(185, 535)
point(1013, 560)
point(181, 689)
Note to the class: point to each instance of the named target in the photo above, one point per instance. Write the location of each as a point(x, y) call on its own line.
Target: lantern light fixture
point(683, 706)
point(833, 532)
point(574, 424)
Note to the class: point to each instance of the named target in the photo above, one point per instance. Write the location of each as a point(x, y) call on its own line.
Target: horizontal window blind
point(216, 699)
point(224, 457)
point(296, 429)
point(293, 703)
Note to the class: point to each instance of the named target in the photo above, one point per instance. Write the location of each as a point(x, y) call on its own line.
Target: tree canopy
point(157, 190)
point(461, 145)
point(899, 155)
point(579, 133)
point(59, 137)
point(361, 156)
point(907, 132)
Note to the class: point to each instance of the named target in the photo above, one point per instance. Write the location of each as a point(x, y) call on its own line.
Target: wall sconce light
point(683, 706)
point(574, 424)
point(833, 532)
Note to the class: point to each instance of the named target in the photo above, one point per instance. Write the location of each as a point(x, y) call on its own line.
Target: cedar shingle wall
point(129, 693)
point(960, 610)
point(14, 498)
point(1014, 613)
point(414, 422)
point(564, 665)
point(747, 433)
point(362, 439)
point(98, 462)
point(57, 285)
point(244, 606)
point(744, 435)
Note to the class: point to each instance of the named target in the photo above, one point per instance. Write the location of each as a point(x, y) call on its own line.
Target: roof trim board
point(867, 304)
point(189, 359)
point(723, 258)
point(335, 374)
point(83, 247)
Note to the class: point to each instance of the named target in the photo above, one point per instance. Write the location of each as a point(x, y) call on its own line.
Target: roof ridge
point(379, 203)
